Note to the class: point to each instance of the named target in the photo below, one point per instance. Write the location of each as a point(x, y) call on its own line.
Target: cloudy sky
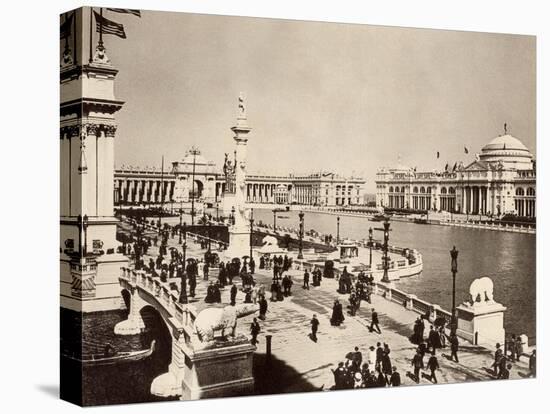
point(342, 97)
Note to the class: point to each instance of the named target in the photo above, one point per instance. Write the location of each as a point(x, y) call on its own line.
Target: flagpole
point(101, 27)
point(91, 33)
point(74, 38)
point(66, 37)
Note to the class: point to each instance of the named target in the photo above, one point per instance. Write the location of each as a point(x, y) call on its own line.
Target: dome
point(507, 142)
point(509, 151)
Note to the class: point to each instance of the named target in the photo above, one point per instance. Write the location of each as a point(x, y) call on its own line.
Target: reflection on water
point(507, 258)
point(123, 382)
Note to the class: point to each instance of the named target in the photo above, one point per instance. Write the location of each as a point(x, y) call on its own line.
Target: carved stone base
point(482, 323)
point(239, 243)
point(223, 371)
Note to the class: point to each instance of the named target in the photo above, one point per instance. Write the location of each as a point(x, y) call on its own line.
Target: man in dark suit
point(395, 378)
point(314, 327)
point(233, 294)
point(498, 360)
point(433, 339)
point(374, 322)
point(254, 331)
point(433, 365)
point(418, 364)
point(454, 347)
point(306, 280)
point(357, 359)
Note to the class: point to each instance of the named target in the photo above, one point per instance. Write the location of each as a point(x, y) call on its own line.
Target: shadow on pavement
point(276, 377)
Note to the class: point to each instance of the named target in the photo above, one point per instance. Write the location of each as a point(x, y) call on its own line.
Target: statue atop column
point(239, 232)
point(242, 108)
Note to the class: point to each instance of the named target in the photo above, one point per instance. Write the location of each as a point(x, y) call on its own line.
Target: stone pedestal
point(239, 243)
point(228, 201)
point(223, 371)
point(481, 323)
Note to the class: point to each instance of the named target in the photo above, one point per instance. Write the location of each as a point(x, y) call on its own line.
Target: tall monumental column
point(90, 264)
point(239, 231)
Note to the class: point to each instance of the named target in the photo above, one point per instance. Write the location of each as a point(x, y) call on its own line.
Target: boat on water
point(380, 217)
point(116, 358)
point(420, 220)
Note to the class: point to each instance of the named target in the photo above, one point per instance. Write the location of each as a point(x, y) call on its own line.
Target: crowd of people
point(373, 370)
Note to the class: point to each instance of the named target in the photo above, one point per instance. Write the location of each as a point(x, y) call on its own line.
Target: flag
point(126, 11)
point(465, 150)
point(454, 167)
point(438, 154)
point(65, 29)
point(107, 26)
point(446, 167)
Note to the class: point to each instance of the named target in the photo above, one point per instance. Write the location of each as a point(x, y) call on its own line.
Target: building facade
point(501, 180)
point(196, 177)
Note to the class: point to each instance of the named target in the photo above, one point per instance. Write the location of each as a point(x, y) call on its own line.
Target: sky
point(320, 96)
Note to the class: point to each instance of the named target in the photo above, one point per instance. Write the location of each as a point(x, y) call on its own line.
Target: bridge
point(197, 369)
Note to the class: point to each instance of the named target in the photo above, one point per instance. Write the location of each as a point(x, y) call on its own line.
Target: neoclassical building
point(501, 180)
point(196, 177)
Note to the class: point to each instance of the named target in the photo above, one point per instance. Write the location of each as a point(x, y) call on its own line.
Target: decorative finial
point(505, 128)
point(100, 55)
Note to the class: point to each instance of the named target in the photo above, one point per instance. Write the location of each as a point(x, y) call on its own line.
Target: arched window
point(402, 189)
point(520, 192)
point(391, 189)
point(443, 190)
point(429, 190)
point(415, 190)
point(531, 191)
point(451, 190)
point(422, 190)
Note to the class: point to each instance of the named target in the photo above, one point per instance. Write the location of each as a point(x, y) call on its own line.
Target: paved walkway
point(303, 365)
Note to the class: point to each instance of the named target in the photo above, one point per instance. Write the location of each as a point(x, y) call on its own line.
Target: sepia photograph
point(255, 206)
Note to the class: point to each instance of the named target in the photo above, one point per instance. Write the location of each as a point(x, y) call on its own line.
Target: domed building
point(509, 151)
point(501, 180)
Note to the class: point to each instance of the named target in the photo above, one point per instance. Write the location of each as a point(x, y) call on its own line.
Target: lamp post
point(217, 211)
point(337, 229)
point(138, 244)
point(233, 215)
point(370, 248)
point(209, 234)
point(454, 270)
point(85, 227)
point(274, 219)
point(385, 257)
point(251, 229)
point(183, 286)
point(301, 235)
point(181, 218)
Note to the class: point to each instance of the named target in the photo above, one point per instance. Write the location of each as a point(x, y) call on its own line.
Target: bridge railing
point(411, 302)
point(198, 237)
point(168, 298)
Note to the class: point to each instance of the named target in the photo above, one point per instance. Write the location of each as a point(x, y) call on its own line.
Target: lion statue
point(270, 241)
point(220, 319)
point(482, 288)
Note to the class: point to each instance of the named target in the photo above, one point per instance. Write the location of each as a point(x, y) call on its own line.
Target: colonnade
point(129, 191)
